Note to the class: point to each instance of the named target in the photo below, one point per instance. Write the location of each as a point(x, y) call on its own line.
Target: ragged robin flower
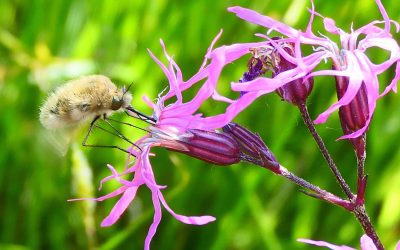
point(296, 91)
point(349, 57)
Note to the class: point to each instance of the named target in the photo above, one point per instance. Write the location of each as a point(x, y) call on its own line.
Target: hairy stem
point(318, 192)
point(363, 218)
point(361, 177)
point(310, 125)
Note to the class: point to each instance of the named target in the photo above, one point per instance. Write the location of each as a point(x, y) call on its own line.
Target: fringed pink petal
point(120, 207)
point(192, 220)
point(259, 84)
point(156, 218)
point(170, 74)
point(325, 244)
point(256, 18)
point(201, 74)
point(218, 121)
point(209, 50)
point(393, 85)
point(384, 15)
point(367, 243)
point(330, 26)
point(105, 197)
point(148, 101)
point(310, 22)
point(115, 176)
point(173, 67)
point(355, 81)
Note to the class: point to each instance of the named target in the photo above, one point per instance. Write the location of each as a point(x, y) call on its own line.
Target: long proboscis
point(140, 115)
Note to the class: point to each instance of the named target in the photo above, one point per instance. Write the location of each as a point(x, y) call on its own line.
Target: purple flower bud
point(214, 147)
point(297, 91)
point(354, 115)
point(253, 148)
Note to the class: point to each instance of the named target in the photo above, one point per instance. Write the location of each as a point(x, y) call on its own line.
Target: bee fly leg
point(128, 124)
point(92, 125)
point(117, 133)
point(89, 130)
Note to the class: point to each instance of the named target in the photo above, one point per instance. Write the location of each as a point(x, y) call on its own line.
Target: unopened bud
point(354, 115)
point(297, 91)
point(253, 148)
point(214, 147)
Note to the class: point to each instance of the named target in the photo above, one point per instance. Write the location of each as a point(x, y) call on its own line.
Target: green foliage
point(43, 43)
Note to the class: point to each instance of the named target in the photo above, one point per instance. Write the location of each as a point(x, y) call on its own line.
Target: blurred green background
point(44, 43)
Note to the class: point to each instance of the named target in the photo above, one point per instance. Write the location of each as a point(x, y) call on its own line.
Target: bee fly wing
point(60, 140)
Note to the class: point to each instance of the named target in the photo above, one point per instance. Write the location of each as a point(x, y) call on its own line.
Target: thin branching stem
point(310, 125)
point(363, 218)
point(357, 202)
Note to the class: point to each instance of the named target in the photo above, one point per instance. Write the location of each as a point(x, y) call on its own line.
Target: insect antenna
point(126, 89)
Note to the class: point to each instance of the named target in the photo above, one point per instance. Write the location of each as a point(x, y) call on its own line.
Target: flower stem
point(361, 177)
point(318, 192)
point(357, 202)
point(362, 217)
point(310, 125)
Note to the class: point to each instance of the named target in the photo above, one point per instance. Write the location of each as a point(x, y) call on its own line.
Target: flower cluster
point(180, 127)
point(349, 59)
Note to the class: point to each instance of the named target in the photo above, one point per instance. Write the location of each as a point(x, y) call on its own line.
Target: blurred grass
point(43, 43)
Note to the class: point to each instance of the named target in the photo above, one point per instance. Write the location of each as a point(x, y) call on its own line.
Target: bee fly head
point(116, 102)
point(122, 101)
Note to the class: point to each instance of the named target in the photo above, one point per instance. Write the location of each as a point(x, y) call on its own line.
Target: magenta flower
point(366, 244)
point(178, 127)
point(349, 58)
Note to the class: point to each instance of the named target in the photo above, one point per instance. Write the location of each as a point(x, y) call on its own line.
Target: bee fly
point(87, 98)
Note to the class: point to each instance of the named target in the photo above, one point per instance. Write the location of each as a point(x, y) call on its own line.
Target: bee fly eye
point(116, 103)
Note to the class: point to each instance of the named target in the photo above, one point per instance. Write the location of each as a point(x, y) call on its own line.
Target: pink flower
point(366, 244)
point(176, 126)
point(349, 58)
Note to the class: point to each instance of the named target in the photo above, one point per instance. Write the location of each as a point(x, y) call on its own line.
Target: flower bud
point(214, 147)
point(354, 115)
point(297, 91)
point(253, 148)
point(267, 58)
